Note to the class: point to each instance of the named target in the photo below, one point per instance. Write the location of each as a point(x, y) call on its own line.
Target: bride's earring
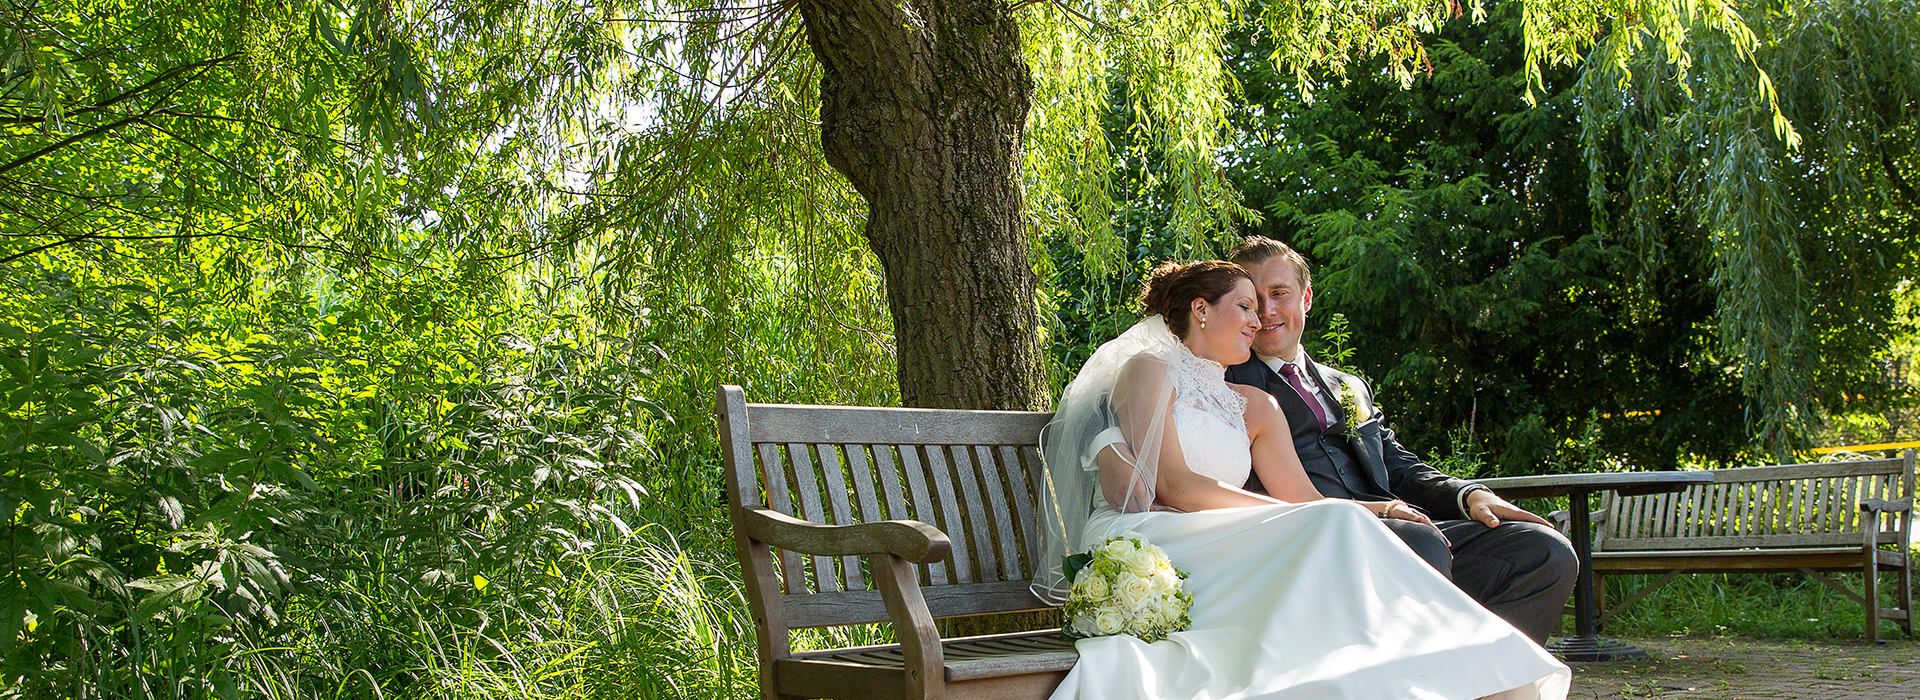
point(1203, 324)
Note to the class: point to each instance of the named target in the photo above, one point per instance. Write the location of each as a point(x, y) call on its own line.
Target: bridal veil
point(1103, 446)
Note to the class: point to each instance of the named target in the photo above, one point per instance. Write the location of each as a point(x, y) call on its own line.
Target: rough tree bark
point(923, 107)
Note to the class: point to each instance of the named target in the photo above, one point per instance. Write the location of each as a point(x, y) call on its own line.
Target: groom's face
point(1284, 302)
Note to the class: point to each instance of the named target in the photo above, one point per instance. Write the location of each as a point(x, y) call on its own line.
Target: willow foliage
point(626, 146)
point(1787, 220)
point(365, 323)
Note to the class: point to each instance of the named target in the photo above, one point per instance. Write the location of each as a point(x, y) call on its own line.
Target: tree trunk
point(923, 105)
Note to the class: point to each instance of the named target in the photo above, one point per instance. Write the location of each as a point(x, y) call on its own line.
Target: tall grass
point(305, 501)
point(645, 618)
point(1790, 605)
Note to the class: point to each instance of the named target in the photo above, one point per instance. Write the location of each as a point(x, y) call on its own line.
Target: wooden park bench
point(1811, 518)
point(849, 515)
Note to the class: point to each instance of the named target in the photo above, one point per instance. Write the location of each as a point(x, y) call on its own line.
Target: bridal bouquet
point(1126, 586)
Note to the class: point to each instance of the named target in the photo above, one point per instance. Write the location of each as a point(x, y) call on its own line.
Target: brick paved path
point(1729, 668)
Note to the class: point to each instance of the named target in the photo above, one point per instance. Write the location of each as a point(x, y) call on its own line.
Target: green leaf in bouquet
point(1073, 563)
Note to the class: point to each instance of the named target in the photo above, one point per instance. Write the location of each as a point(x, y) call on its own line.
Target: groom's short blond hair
point(1254, 250)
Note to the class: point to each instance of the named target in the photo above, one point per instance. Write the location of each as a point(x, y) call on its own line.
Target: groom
point(1506, 558)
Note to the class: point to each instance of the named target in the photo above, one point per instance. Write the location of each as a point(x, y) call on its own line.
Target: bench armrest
point(895, 546)
point(1875, 505)
point(911, 540)
point(1564, 519)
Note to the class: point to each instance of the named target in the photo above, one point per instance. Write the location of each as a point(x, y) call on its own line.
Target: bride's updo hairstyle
point(1173, 286)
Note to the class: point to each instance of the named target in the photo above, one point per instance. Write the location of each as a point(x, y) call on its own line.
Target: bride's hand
point(1399, 510)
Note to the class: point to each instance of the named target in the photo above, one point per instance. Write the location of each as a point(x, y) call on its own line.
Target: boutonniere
point(1355, 412)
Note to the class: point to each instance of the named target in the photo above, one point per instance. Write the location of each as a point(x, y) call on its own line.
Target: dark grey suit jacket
point(1376, 466)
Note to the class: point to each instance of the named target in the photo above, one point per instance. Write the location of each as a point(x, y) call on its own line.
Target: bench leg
point(1872, 594)
point(1906, 595)
point(1600, 602)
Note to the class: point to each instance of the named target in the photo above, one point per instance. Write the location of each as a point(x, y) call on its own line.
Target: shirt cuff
point(1462, 498)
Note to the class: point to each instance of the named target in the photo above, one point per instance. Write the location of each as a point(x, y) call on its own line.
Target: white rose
point(1139, 563)
point(1109, 621)
point(1119, 549)
point(1169, 609)
point(1091, 586)
point(1133, 592)
point(1160, 557)
point(1166, 579)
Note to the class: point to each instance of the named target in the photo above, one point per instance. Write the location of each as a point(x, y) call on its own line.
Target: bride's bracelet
point(1386, 511)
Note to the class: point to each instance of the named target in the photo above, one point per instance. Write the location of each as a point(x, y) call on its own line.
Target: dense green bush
point(313, 499)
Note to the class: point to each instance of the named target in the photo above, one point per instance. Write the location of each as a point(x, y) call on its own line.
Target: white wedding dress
point(1313, 600)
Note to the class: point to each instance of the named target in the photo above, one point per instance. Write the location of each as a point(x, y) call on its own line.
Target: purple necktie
point(1292, 373)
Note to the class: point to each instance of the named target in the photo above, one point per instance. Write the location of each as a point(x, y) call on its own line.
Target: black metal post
point(1586, 644)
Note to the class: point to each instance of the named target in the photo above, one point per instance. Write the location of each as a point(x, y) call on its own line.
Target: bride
point(1295, 596)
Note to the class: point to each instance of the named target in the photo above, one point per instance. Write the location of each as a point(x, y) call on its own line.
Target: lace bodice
point(1211, 419)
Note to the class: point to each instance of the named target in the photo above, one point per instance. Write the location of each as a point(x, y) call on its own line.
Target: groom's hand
point(1489, 509)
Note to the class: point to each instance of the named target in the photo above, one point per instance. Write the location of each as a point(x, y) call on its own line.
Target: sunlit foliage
point(370, 345)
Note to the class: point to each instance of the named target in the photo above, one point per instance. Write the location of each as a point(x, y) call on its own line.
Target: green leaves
point(184, 475)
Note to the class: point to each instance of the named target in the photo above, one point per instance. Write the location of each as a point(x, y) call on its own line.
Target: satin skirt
point(1314, 600)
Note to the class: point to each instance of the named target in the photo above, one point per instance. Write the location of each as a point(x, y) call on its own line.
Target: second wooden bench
point(1812, 518)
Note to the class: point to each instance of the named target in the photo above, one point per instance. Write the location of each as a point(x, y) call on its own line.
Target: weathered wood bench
point(1811, 518)
point(848, 515)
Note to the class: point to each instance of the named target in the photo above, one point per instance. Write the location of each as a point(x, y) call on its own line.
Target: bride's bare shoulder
point(1262, 409)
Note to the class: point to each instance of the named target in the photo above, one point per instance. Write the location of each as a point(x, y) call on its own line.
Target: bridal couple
point(1326, 560)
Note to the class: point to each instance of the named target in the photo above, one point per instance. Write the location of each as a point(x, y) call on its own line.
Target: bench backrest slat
point(939, 573)
point(863, 491)
point(972, 474)
point(833, 477)
point(986, 567)
point(1018, 479)
point(773, 469)
point(961, 560)
point(806, 485)
point(1000, 510)
point(1035, 481)
point(1794, 505)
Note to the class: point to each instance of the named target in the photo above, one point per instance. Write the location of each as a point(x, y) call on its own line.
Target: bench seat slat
point(968, 658)
point(859, 607)
point(1731, 560)
point(1843, 508)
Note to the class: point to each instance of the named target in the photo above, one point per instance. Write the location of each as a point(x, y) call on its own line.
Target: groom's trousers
point(1523, 572)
